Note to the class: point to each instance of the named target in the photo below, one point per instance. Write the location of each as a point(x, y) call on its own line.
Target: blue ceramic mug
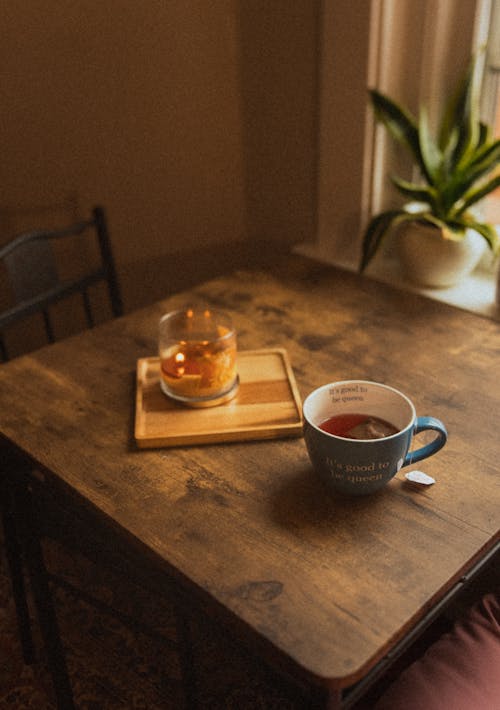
point(358, 466)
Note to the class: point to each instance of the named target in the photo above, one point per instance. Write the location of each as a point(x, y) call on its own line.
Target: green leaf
point(418, 193)
point(378, 227)
point(431, 155)
point(471, 131)
point(477, 194)
point(455, 232)
point(484, 135)
point(462, 112)
point(400, 124)
point(488, 155)
point(489, 233)
point(458, 188)
point(449, 152)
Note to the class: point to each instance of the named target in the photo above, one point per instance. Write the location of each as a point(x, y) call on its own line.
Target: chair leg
point(15, 566)
point(47, 618)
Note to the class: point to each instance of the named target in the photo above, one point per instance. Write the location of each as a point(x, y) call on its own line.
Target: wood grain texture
point(323, 584)
point(267, 405)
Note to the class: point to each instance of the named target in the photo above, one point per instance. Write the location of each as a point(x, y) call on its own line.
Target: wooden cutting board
point(266, 406)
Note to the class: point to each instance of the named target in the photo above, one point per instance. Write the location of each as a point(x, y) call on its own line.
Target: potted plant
point(436, 228)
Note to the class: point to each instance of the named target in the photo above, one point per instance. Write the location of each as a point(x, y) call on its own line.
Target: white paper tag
point(420, 477)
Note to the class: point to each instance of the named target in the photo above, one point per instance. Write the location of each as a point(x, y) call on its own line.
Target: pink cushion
point(461, 671)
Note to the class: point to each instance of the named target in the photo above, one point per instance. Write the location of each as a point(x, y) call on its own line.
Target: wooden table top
point(326, 583)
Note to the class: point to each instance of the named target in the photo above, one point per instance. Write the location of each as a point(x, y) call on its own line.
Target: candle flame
point(180, 359)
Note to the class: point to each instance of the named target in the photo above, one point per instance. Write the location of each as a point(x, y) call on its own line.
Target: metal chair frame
point(48, 289)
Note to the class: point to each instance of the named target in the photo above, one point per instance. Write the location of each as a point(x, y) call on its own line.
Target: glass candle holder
point(198, 357)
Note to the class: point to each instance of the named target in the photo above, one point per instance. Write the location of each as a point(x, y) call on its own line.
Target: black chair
point(34, 278)
point(36, 284)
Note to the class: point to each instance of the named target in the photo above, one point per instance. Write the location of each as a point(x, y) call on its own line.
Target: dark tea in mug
point(358, 426)
point(359, 434)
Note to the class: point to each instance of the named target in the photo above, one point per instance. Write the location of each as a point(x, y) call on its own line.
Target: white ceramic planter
point(429, 260)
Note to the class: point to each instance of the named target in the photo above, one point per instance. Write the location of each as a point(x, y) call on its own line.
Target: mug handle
point(424, 424)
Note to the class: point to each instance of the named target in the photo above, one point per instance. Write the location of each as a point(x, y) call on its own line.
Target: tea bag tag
point(420, 477)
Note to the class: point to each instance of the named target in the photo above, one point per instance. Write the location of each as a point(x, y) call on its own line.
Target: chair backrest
point(34, 278)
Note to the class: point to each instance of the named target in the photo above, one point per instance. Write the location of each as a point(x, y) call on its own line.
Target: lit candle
point(198, 357)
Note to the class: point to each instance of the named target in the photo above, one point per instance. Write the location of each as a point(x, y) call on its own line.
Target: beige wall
point(192, 121)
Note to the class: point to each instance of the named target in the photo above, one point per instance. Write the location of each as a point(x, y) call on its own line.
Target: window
point(410, 49)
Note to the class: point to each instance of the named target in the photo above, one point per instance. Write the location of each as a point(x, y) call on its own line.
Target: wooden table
point(324, 587)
